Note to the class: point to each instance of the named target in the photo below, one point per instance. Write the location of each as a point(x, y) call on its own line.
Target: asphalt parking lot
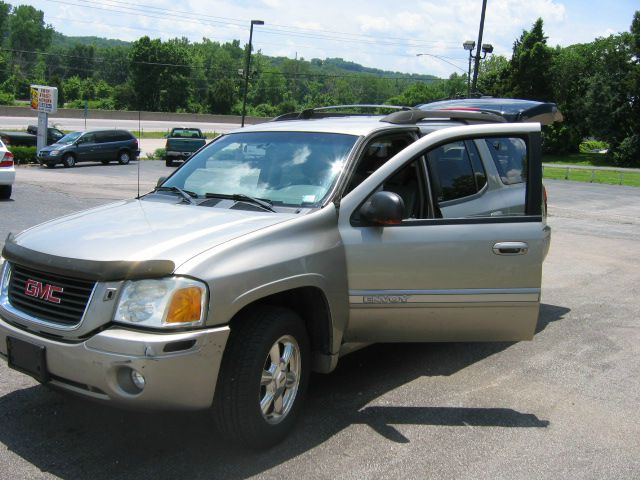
point(564, 405)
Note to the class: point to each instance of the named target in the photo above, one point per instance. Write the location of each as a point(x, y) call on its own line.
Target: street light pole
point(469, 45)
point(246, 71)
point(477, 64)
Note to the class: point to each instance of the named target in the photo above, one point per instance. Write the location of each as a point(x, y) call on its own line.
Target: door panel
point(439, 279)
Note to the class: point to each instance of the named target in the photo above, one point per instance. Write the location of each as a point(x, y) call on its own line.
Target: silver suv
point(275, 250)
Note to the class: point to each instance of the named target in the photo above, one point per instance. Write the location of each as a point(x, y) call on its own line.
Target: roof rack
point(325, 112)
point(414, 116)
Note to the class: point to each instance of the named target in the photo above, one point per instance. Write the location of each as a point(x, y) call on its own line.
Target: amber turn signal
point(186, 306)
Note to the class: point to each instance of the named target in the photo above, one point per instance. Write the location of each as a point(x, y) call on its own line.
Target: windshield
point(69, 138)
point(285, 168)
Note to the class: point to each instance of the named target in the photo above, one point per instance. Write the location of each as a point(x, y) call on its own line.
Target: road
point(564, 405)
point(132, 125)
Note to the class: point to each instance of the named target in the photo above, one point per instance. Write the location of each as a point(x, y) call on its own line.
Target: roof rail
point(414, 116)
point(324, 112)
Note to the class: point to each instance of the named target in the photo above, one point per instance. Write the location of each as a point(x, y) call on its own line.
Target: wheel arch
point(311, 304)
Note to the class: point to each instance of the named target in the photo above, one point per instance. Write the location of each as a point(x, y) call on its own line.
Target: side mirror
point(160, 181)
point(383, 208)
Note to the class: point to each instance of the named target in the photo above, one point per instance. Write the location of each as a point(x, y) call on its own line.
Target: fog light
point(137, 379)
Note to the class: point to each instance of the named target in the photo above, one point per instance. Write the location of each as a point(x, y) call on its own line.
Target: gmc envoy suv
point(280, 247)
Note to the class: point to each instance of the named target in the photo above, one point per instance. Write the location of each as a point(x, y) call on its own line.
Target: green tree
point(494, 76)
point(28, 33)
point(81, 60)
point(5, 10)
point(529, 66)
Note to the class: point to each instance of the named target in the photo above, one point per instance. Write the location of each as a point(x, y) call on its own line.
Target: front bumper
point(45, 157)
point(180, 369)
point(178, 155)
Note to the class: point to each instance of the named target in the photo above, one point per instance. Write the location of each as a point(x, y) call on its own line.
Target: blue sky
point(375, 33)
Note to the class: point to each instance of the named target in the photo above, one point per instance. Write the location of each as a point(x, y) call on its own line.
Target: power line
point(240, 25)
point(242, 22)
point(414, 78)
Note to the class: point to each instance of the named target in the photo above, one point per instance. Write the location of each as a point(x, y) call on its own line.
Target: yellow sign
point(44, 99)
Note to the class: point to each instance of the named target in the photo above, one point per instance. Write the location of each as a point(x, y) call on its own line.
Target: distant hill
point(61, 40)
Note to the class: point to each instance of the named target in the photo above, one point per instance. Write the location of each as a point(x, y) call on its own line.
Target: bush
point(560, 139)
point(6, 99)
point(589, 146)
point(106, 104)
point(627, 154)
point(158, 154)
point(22, 155)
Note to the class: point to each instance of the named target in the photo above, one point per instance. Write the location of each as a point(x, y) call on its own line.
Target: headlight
point(55, 152)
point(165, 303)
point(4, 277)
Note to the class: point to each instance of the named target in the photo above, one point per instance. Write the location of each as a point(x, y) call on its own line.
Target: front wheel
point(168, 162)
point(263, 377)
point(69, 161)
point(124, 157)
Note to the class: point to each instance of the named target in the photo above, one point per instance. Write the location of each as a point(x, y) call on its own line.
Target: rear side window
point(121, 135)
point(456, 170)
point(510, 156)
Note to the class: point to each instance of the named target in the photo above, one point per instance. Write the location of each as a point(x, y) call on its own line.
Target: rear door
point(474, 276)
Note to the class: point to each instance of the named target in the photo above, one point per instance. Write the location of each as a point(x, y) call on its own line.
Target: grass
point(147, 134)
point(608, 177)
point(583, 159)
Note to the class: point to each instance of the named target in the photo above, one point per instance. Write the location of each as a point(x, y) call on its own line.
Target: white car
point(7, 172)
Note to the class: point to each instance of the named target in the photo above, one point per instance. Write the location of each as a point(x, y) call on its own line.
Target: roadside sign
point(44, 99)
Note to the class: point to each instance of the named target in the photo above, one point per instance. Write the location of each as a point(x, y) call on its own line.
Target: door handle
point(510, 248)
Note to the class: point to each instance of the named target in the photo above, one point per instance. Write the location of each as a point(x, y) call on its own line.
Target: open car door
point(433, 277)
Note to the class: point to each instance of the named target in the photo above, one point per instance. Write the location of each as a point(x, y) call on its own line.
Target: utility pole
point(477, 64)
point(246, 71)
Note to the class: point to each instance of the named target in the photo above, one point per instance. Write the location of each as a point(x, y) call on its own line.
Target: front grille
point(34, 293)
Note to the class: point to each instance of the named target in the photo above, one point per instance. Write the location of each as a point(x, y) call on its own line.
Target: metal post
point(246, 71)
point(479, 45)
point(469, 76)
point(43, 124)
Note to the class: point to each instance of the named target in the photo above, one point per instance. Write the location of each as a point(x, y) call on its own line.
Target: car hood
point(136, 230)
point(55, 146)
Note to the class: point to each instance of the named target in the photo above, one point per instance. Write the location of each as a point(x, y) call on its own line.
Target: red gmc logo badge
point(37, 289)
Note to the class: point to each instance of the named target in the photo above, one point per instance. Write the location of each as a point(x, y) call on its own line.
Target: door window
point(376, 154)
point(456, 171)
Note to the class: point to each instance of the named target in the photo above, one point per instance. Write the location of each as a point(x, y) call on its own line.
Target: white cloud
point(376, 33)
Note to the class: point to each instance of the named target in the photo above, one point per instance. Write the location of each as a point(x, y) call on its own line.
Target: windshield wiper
point(186, 194)
point(241, 197)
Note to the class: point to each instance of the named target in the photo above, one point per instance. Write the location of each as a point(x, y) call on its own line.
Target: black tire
point(168, 162)
point(105, 162)
point(5, 192)
point(239, 390)
point(68, 161)
point(124, 157)
point(50, 165)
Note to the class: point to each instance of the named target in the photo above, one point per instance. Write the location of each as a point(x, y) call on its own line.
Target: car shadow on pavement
point(74, 438)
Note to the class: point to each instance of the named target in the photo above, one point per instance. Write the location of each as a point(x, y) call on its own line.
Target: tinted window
point(456, 170)
point(186, 133)
point(510, 156)
point(103, 137)
point(375, 155)
point(121, 136)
